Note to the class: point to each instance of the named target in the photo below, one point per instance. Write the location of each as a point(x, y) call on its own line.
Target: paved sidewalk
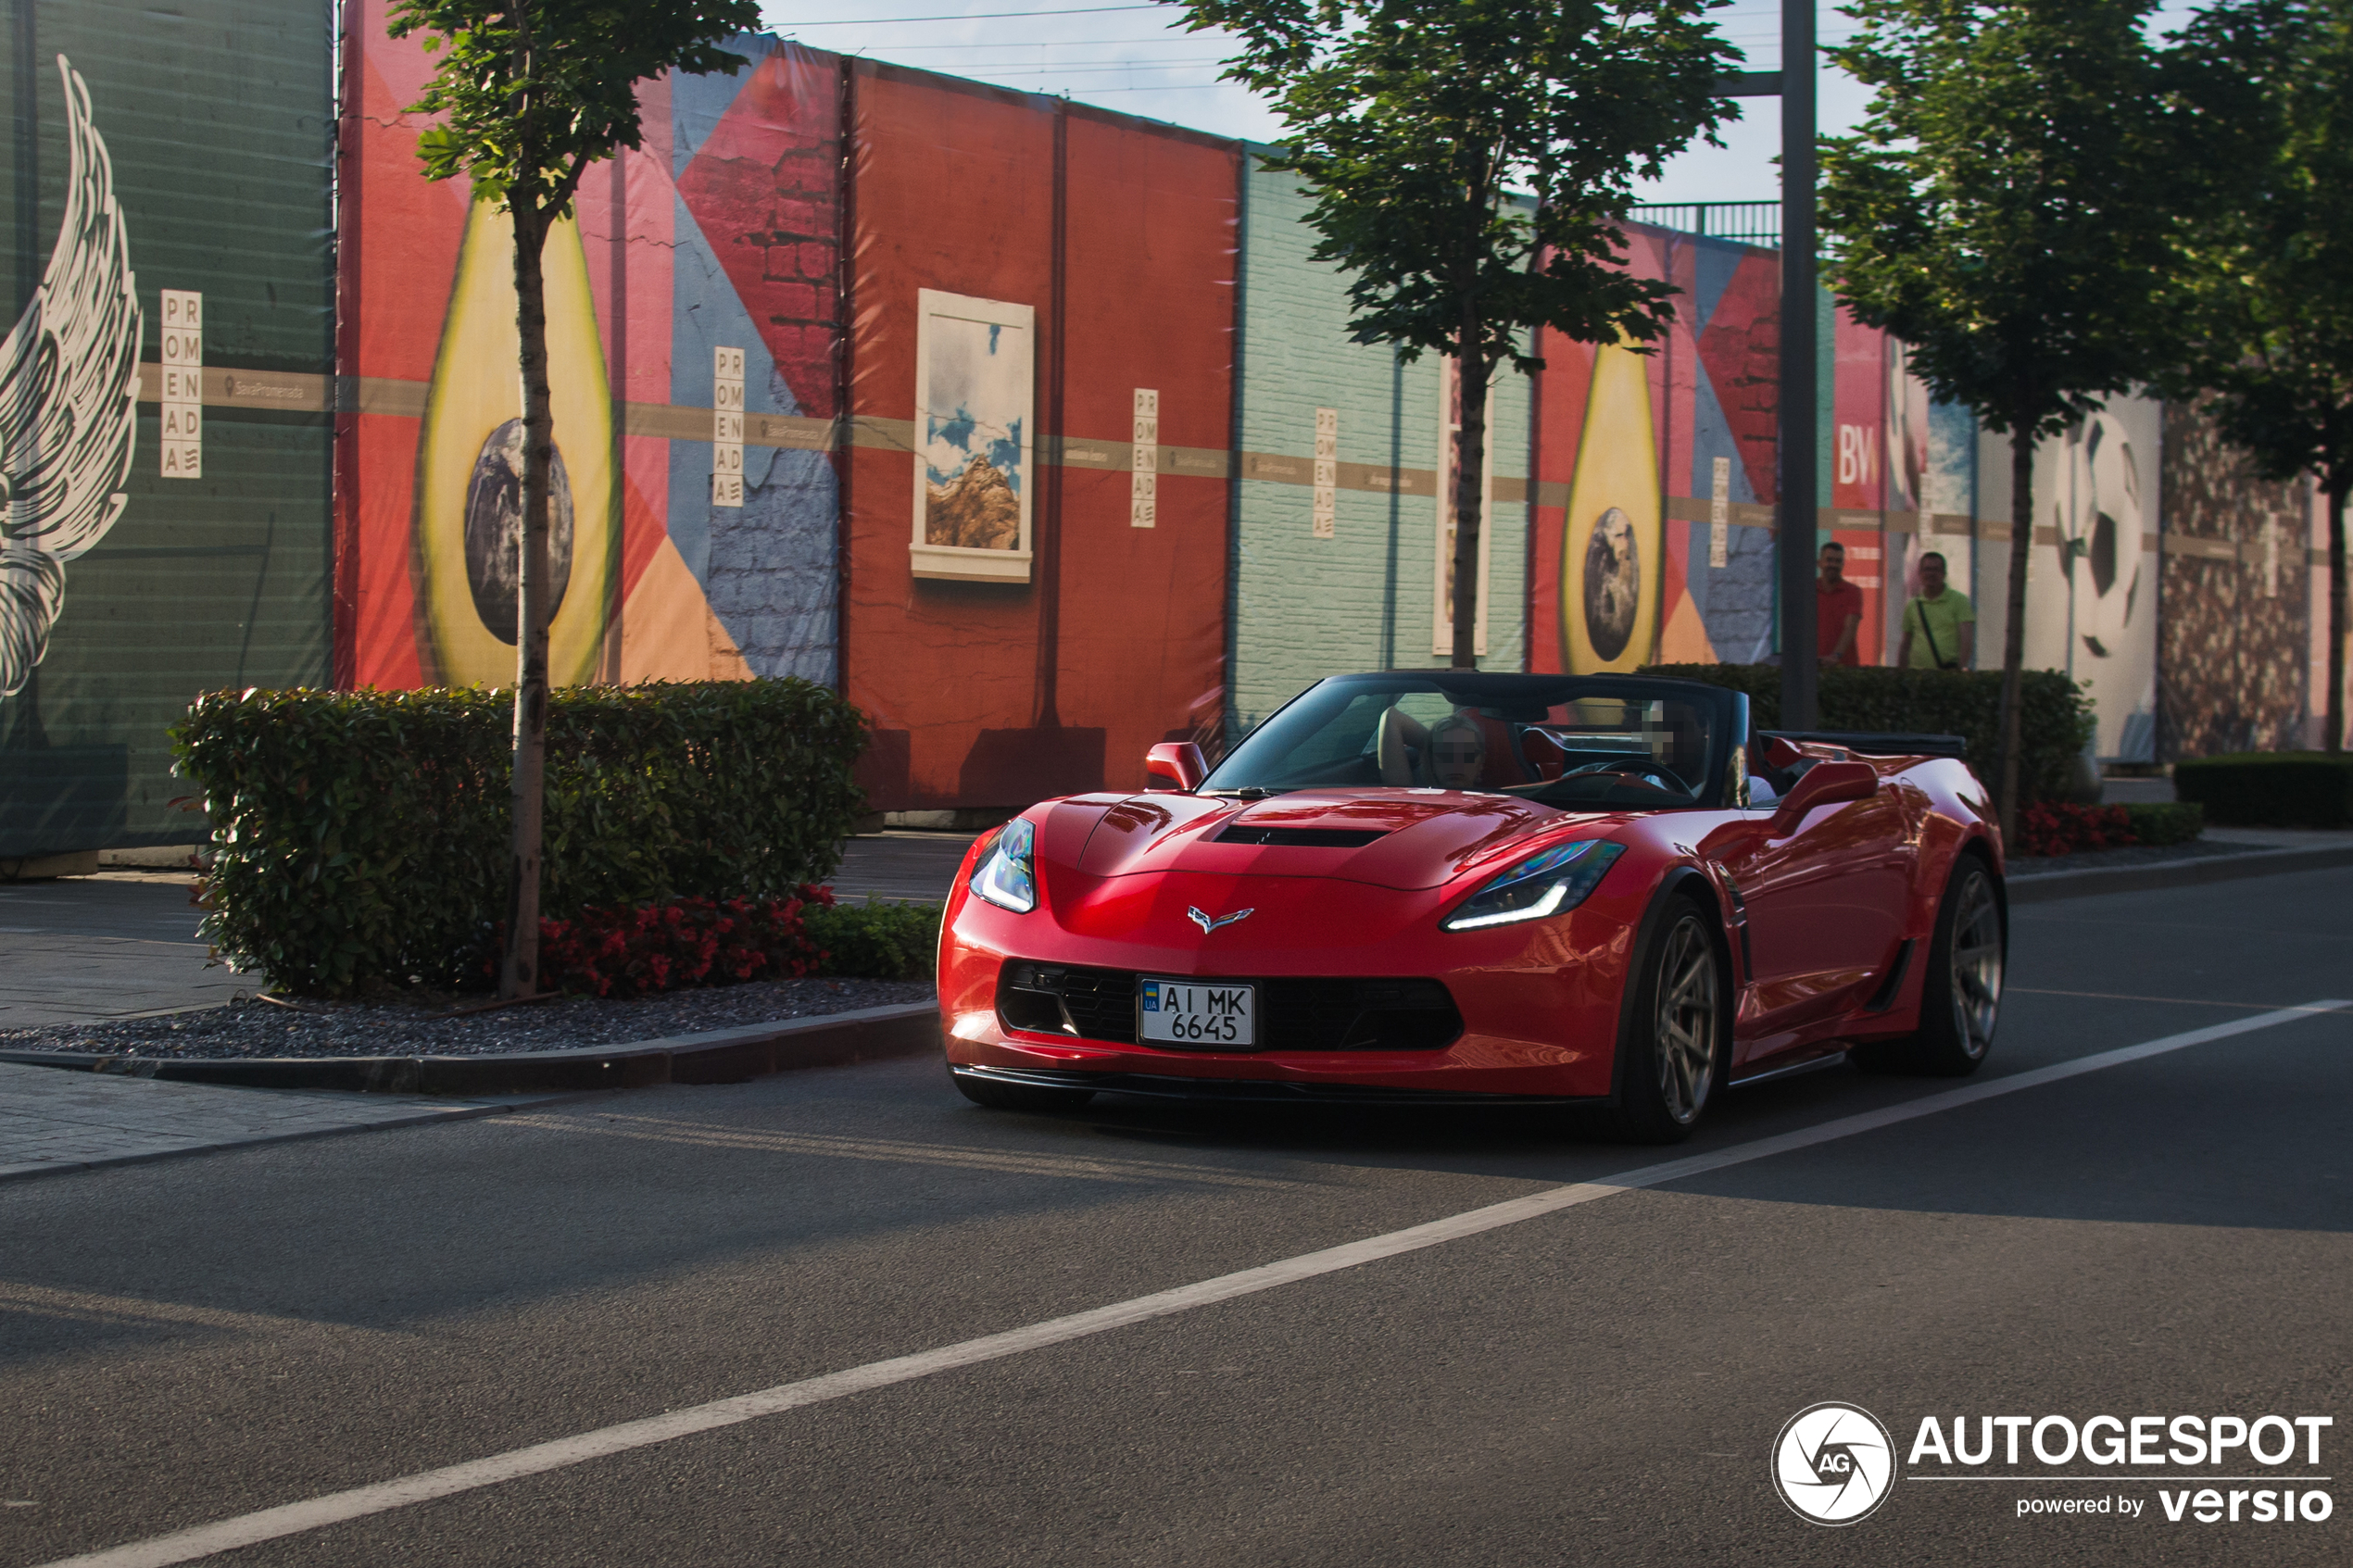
point(2284, 838)
point(83, 950)
point(52, 1120)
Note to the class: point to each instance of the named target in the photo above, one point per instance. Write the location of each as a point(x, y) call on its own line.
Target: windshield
point(1593, 742)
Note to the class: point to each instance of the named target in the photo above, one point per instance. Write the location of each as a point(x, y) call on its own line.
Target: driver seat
point(1543, 758)
point(1502, 758)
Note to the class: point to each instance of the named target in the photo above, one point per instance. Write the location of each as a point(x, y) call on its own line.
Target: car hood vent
point(1301, 838)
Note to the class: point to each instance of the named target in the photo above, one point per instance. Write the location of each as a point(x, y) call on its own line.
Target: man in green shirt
point(1940, 626)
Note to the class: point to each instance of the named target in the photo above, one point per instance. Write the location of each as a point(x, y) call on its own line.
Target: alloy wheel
point(1688, 1018)
point(1977, 965)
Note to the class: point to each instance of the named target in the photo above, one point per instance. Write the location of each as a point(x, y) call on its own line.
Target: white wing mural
point(68, 400)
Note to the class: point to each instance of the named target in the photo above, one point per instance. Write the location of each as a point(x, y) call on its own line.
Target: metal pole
point(1799, 440)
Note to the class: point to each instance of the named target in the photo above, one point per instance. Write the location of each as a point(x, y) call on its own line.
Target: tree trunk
point(2333, 739)
point(2014, 620)
point(1472, 370)
point(519, 976)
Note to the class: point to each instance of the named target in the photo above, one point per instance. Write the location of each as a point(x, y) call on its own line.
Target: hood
point(1390, 838)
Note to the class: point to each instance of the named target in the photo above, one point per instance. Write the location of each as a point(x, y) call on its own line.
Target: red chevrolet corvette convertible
point(1430, 887)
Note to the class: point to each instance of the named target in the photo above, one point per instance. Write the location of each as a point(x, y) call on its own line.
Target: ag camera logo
point(1834, 1464)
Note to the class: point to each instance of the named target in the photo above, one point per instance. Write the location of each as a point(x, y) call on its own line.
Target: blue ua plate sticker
point(1151, 996)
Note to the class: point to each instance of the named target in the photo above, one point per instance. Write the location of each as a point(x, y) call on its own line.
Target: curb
point(2181, 873)
point(716, 1056)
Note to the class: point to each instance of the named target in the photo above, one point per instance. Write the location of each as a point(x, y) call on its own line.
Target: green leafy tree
point(1470, 162)
point(529, 93)
point(2004, 208)
point(2265, 90)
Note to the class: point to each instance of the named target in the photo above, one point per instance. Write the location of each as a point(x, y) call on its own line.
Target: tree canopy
point(530, 93)
point(2264, 286)
point(1481, 152)
point(2004, 208)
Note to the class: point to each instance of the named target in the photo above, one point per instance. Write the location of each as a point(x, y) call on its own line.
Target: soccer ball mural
point(2091, 601)
point(2099, 520)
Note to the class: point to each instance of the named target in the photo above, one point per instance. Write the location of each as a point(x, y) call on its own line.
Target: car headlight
point(1007, 877)
point(1542, 884)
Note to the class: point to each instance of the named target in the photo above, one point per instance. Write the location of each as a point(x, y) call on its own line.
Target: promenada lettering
point(2153, 1449)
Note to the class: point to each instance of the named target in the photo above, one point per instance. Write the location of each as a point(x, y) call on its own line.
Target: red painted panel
point(1152, 230)
point(1859, 471)
point(953, 189)
point(996, 694)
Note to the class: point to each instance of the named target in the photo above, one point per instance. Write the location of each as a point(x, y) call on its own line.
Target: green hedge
point(2156, 821)
point(361, 838)
point(2055, 724)
point(2286, 789)
point(874, 941)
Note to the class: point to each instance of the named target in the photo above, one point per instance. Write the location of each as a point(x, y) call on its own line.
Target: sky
point(1139, 59)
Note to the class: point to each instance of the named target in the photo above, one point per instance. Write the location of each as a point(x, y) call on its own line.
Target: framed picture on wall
point(976, 377)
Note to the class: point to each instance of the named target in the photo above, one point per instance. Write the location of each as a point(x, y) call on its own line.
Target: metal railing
point(1755, 223)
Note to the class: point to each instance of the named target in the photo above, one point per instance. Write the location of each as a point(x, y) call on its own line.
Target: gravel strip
point(2133, 855)
point(251, 1029)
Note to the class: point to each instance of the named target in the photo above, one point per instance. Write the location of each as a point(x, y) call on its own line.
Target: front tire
point(1018, 1097)
point(1961, 995)
point(1677, 1035)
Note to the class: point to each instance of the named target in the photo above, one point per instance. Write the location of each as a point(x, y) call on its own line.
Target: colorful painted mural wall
point(163, 415)
point(1041, 393)
point(692, 331)
point(1634, 561)
point(1030, 425)
point(1656, 479)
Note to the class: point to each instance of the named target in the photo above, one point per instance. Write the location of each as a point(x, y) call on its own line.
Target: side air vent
point(1303, 838)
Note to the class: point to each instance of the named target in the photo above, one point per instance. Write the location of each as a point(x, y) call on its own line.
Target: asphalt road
point(1602, 1383)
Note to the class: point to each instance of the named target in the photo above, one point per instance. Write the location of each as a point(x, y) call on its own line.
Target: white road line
point(204, 1540)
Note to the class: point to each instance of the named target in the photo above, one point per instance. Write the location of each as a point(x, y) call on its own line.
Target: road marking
point(702, 1135)
point(335, 1508)
point(2170, 1001)
point(41, 1301)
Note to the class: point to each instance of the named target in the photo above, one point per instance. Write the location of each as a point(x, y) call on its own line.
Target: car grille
point(1343, 1014)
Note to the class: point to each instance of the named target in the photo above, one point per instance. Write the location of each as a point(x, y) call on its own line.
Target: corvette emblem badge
point(1208, 925)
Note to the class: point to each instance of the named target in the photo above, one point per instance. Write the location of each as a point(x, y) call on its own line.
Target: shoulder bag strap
point(1934, 651)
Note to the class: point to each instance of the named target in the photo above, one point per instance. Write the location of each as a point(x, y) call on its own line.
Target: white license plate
point(1190, 1012)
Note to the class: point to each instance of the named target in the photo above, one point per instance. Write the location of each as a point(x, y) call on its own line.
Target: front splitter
point(1254, 1091)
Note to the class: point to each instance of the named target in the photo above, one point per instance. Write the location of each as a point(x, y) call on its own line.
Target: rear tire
point(1018, 1097)
point(1677, 1035)
point(1961, 996)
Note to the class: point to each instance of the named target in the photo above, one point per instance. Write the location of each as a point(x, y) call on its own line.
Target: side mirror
point(1174, 764)
point(1824, 783)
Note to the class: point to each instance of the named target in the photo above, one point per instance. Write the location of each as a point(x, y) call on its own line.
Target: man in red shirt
point(1838, 610)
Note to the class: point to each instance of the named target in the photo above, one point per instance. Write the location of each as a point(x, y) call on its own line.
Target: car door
point(1824, 896)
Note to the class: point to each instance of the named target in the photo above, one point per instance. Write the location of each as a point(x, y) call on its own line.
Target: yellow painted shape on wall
point(476, 388)
point(668, 632)
point(1613, 554)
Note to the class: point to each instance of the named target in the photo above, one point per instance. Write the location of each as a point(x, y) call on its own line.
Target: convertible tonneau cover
point(1879, 742)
